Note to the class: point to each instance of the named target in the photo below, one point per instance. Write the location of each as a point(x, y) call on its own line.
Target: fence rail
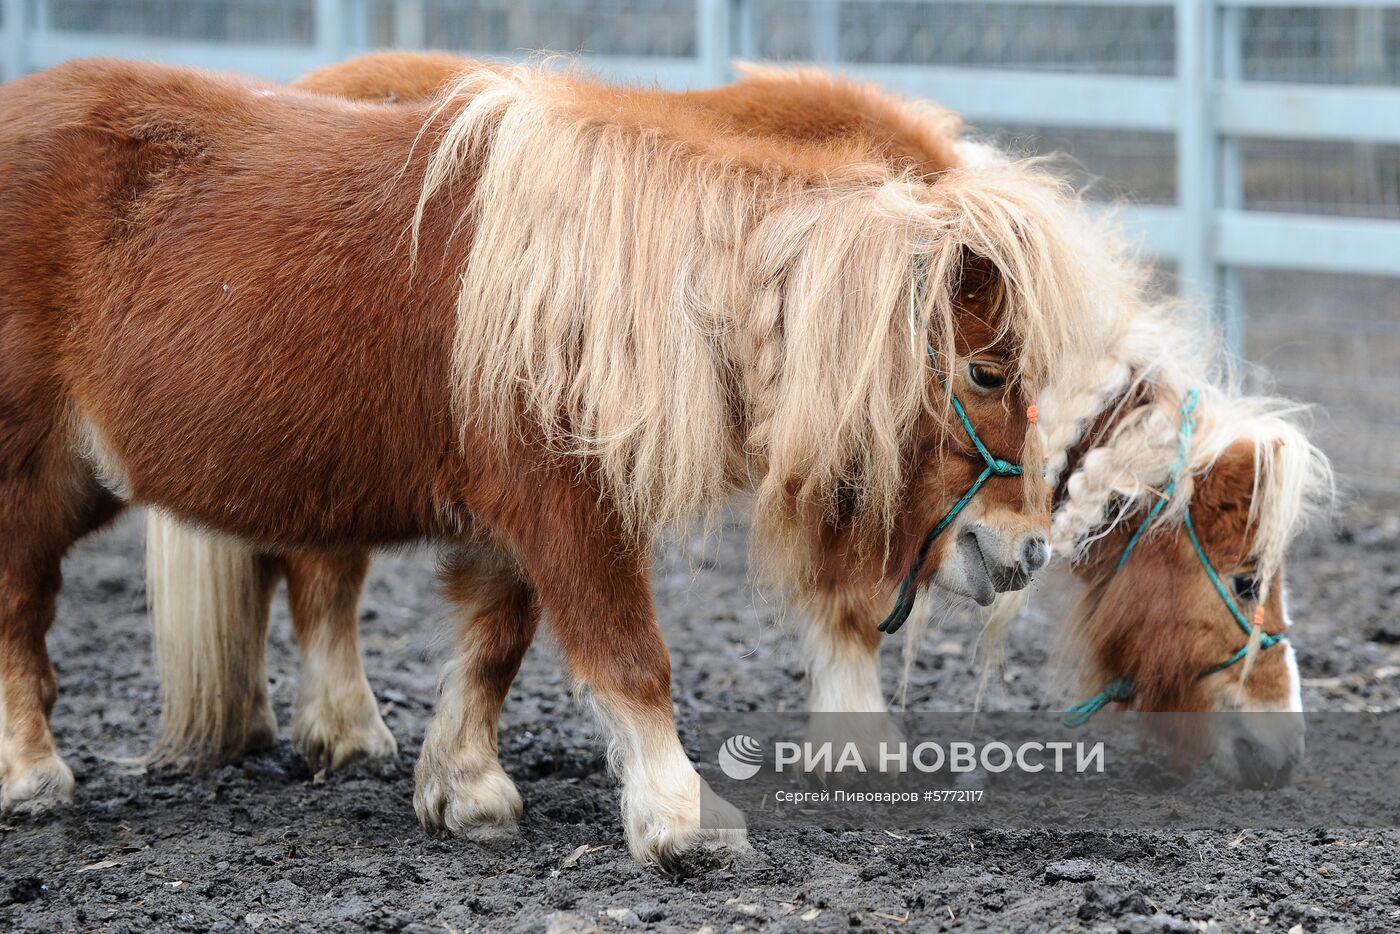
point(1207, 105)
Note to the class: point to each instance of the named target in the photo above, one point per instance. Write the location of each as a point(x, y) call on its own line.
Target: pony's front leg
point(35, 778)
point(591, 578)
point(336, 718)
point(609, 635)
point(460, 783)
point(601, 610)
point(841, 653)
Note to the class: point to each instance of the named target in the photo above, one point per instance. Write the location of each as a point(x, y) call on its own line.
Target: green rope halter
point(996, 467)
point(1118, 690)
point(1265, 639)
point(1122, 689)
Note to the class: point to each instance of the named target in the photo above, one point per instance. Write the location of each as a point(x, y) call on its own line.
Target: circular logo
point(740, 757)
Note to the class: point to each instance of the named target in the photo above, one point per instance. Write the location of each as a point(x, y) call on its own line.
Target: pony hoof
point(333, 741)
point(870, 734)
point(481, 805)
point(43, 786)
point(665, 835)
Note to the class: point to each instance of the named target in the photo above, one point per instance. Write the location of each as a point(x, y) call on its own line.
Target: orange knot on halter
point(1258, 617)
point(1033, 414)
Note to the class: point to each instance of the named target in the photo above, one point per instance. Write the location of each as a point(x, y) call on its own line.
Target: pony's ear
point(1229, 483)
point(1220, 505)
point(978, 279)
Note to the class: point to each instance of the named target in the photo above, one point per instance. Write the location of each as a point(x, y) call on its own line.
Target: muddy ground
point(263, 844)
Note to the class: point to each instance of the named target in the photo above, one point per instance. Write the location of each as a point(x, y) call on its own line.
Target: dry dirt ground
point(263, 844)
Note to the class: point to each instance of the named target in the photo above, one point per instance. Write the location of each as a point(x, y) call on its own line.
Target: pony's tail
point(209, 600)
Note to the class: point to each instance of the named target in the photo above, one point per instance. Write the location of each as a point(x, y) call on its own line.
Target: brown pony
point(537, 319)
point(1162, 645)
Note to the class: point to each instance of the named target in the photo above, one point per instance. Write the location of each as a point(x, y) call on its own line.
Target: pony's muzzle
point(995, 562)
point(985, 561)
point(1010, 562)
point(1264, 766)
point(1259, 749)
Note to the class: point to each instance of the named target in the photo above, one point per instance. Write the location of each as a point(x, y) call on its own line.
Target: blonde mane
point(1170, 354)
point(700, 311)
point(1166, 351)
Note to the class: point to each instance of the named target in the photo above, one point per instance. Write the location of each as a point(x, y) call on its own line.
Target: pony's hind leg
point(42, 512)
point(336, 718)
point(460, 783)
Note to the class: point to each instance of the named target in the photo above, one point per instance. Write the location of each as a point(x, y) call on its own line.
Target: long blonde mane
point(698, 310)
point(1167, 350)
point(1169, 354)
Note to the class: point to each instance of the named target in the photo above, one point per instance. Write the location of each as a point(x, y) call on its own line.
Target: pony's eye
point(984, 376)
point(1247, 587)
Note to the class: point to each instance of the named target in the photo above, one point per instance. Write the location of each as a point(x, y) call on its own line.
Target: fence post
point(357, 33)
point(745, 29)
point(410, 24)
point(824, 27)
point(330, 30)
point(714, 48)
point(13, 60)
point(1230, 292)
point(1369, 50)
point(1197, 168)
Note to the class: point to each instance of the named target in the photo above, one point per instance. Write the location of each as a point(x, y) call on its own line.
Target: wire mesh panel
point(271, 21)
point(1336, 179)
point(1329, 339)
point(1133, 40)
point(1346, 45)
point(610, 27)
point(1107, 165)
point(1334, 341)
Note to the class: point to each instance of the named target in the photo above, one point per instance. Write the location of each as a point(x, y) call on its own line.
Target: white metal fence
point(1216, 107)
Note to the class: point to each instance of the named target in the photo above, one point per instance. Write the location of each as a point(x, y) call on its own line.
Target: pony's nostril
point(1035, 552)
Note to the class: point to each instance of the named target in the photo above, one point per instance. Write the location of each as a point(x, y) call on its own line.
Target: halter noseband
point(996, 467)
point(1122, 689)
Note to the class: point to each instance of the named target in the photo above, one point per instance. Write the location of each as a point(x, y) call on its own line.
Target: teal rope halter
point(995, 467)
point(1117, 690)
point(1122, 688)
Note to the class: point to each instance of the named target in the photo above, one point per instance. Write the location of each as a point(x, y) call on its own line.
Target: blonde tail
point(209, 599)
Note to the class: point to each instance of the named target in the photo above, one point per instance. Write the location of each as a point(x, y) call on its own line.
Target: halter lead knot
point(1001, 468)
point(1118, 690)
